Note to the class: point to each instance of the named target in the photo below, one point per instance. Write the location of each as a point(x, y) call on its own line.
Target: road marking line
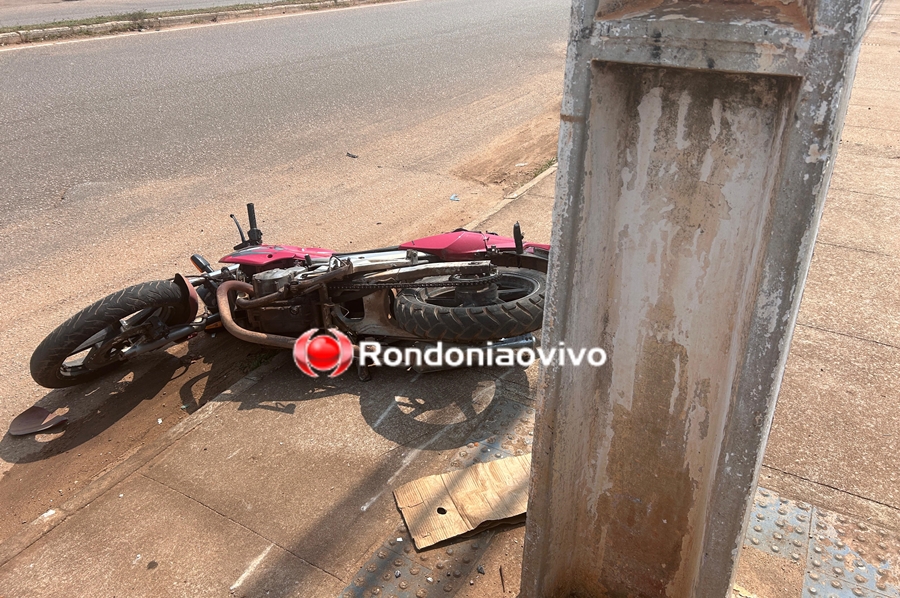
point(406, 461)
point(251, 568)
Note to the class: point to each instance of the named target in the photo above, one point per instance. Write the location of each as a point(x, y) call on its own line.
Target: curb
point(156, 23)
point(511, 197)
point(19, 542)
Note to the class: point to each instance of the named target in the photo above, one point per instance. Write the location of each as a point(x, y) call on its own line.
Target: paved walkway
point(27, 12)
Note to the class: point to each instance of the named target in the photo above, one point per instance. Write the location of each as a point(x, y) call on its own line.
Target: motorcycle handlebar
point(251, 214)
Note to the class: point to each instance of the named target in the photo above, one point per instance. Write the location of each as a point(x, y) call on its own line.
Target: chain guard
point(363, 286)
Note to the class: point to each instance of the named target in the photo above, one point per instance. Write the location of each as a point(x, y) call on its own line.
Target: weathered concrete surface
point(696, 146)
point(138, 549)
point(339, 460)
point(658, 307)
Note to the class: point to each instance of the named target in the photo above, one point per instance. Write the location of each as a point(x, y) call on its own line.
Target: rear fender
point(191, 303)
point(468, 245)
point(531, 261)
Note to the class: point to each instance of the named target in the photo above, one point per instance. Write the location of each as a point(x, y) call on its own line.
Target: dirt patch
point(762, 575)
point(518, 157)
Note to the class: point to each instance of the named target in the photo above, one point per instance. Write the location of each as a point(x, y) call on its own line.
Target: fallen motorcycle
point(462, 287)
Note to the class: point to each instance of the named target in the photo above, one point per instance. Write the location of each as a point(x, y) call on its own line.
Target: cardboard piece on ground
point(447, 505)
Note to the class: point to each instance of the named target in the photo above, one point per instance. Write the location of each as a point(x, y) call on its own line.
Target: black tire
point(98, 323)
point(429, 313)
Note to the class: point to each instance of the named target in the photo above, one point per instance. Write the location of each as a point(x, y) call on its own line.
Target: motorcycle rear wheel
point(438, 314)
point(87, 345)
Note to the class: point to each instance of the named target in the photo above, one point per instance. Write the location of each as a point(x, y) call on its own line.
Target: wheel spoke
point(444, 301)
point(100, 349)
point(108, 332)
point(511, 294)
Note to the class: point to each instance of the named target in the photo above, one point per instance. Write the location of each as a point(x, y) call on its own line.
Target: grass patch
point(257, 359)
point(543, 167)
point(139, 18)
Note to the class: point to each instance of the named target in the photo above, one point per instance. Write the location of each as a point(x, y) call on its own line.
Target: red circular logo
point(320, 351)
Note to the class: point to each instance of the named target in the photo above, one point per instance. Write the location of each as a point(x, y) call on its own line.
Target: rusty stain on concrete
point(655, 501)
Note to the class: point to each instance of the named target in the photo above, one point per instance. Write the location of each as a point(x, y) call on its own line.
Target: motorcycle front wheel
point(90, 343)
point(511, 306)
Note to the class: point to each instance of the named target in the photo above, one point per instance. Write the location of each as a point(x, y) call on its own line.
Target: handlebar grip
point(251, 214)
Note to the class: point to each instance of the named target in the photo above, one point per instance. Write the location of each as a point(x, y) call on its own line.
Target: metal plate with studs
point(388, 575)
point(852, 552)
point(510, 428)
point(479, 451)
point(816, 585)
point(397, 570)
point(779, 526)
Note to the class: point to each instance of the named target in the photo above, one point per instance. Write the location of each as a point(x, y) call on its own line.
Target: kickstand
point(363, 372)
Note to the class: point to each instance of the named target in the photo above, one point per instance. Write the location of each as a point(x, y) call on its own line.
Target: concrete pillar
point(696, 145)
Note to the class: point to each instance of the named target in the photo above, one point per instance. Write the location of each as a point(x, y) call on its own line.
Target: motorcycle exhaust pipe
point(260, 338)
point(525, 341)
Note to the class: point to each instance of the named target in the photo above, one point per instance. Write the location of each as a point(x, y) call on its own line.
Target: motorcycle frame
point(457, 252)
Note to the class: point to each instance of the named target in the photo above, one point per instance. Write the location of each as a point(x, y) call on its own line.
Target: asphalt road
point(84, 123)
point(124, 111)
point(121, 156)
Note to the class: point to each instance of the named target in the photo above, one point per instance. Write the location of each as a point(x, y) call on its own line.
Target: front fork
point(189, 324)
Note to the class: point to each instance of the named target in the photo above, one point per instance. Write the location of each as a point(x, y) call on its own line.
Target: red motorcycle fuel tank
point(262, 255)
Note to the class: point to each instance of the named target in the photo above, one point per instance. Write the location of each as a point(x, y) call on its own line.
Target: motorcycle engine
point(271, 281)
point(289, 317)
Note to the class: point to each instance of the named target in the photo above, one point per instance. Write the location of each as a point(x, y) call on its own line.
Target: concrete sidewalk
point(25, 12)
point(282, 486)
